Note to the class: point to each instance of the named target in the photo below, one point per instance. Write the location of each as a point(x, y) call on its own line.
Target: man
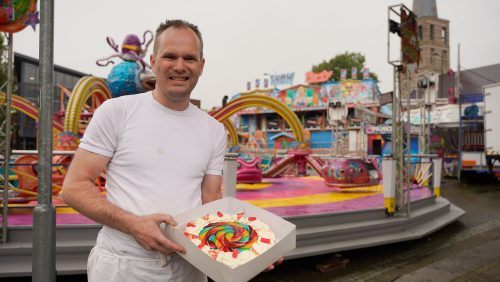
point(163, 156)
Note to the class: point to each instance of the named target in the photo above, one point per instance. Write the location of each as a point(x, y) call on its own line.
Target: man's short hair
point(177, 24)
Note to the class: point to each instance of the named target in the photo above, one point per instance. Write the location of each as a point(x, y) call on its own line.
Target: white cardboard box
point(284, 242)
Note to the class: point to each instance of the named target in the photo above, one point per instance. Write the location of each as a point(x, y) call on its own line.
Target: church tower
point(433, 34)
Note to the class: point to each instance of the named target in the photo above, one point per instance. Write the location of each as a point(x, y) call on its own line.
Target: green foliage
point(347, 61)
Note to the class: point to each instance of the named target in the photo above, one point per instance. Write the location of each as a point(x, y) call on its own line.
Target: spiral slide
point(25, 107)
point(255, 100)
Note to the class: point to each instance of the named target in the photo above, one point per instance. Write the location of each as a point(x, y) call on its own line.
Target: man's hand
point(271, 267)
point(147, 232)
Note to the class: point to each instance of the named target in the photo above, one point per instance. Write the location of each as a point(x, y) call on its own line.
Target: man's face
point(177, 63)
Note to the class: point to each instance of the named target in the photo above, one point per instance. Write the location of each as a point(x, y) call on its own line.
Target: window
point(59, 78)
point(431, 32)
point(29, 91)
point(420, 32)
point(30, 73)
point(444, 38)
point(432, 55)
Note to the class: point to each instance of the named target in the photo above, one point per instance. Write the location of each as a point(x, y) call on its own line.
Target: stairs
point(316, 234)
point(346, 231)
point(73, 244)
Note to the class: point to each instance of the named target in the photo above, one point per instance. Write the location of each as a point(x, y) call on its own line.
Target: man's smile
point(179, 78)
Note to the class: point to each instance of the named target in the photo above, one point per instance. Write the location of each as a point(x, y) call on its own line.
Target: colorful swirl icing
point(228, 236)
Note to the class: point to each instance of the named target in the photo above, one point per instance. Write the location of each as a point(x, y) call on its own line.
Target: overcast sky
point(245, 39)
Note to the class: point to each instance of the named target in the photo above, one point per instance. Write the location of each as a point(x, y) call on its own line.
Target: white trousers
point(117, 259)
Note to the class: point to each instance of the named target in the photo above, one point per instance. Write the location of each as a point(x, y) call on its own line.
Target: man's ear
point(152, 61)
point(202, 66)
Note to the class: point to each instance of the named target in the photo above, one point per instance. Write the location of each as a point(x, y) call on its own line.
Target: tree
point(347, 61)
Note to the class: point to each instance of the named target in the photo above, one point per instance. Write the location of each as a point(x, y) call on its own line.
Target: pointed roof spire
point(425, 8)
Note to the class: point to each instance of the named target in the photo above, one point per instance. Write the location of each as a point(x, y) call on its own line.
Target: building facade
point(26, 72)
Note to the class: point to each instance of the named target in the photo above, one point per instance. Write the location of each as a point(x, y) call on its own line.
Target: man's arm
point(80, 192)
point(211, 188)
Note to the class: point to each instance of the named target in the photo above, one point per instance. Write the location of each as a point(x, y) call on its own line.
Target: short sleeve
point(216, 163)
point(101, 137)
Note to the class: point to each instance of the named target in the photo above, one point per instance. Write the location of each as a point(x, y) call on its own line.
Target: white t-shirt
point(158, 156)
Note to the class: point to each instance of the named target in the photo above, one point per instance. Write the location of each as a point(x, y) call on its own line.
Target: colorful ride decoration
point(300, 97)
point(256, 100)
point(87, 87)
point(249, 171)
point(25, 167)
point(133, 75)
point(24, 106)
point(282, 142)
point(351, 172)
point(15, 15)
point(67, 141)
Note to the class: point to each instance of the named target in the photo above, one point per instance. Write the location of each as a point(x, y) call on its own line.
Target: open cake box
point(284, 231)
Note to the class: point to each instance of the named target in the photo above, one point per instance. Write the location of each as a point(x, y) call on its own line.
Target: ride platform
point(328, 219)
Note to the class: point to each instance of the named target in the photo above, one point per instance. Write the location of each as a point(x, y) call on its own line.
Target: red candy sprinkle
point(200, 246)
point(219, 214)
point(190, 236)
point(213, 253)
point(235, 253)
point(252, 218)
point(239, 215)
point(265, 240)
point(190, 225)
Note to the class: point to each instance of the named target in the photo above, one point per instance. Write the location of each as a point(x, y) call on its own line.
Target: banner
point(249, 85)
point(318, 77)
point(366, 73)
point(354, 73)
point(343, 74)
point(257, 83)
point(409, 39)
point(280, 79)
point(266, 83)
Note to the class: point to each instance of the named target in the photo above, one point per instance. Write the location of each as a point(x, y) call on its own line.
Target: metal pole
point(407, 153)
point(44, 215)
point(459, 100)
point(6, 165)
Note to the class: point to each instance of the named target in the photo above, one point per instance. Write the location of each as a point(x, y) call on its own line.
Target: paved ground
point(467, 250)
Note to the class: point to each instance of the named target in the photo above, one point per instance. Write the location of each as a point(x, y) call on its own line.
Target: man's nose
point(179, 65)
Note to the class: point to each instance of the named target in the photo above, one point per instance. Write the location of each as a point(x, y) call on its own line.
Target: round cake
point(230, 239)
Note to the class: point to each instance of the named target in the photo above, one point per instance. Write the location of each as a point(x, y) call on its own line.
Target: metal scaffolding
point(6, 129)
point(401, 125)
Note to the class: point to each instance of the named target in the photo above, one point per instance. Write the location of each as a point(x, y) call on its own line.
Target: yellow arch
point(233, 135)
point(86, 87)
point(256, 100)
